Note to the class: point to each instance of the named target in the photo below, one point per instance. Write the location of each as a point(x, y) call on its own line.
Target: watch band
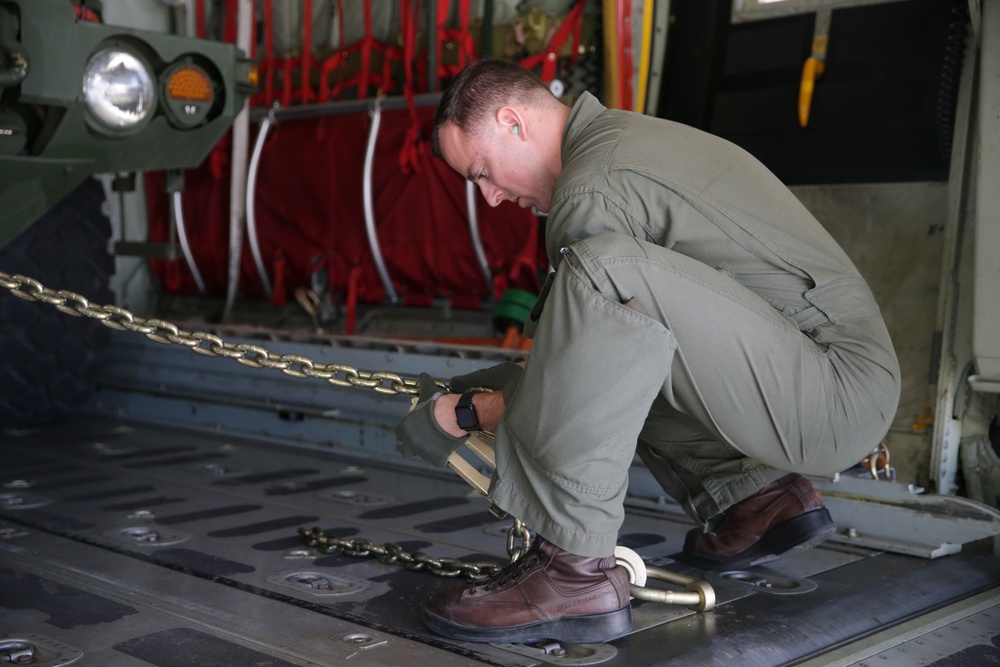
point(465, 413)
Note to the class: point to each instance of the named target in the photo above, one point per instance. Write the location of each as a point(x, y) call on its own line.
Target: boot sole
point(591, 629)
point(803, 532)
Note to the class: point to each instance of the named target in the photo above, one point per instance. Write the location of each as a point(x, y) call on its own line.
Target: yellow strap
point(609, 14)
point(645, 49)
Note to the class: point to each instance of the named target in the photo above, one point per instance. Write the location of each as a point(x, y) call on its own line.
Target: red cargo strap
point(278, 270)
point(229, 17)
point(304, 63)
point(199, 14)
point(413, 146)
point(548, 58)
point(461, 36)
point(306, 94)
point(365, 46)
point(353, 282)
point(266, 66)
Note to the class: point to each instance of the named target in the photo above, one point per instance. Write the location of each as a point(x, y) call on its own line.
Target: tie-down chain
point(418, 561)
point(697, 595)
point(208, 344)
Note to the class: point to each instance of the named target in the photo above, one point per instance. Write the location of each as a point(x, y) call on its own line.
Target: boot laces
point(510, 572)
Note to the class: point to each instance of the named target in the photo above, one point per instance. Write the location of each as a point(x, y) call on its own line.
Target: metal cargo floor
point(131, 544)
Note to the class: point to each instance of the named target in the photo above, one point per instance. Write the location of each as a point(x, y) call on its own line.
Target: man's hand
point(420, 434)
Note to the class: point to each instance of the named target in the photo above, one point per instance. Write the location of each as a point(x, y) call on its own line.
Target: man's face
point(501, 161)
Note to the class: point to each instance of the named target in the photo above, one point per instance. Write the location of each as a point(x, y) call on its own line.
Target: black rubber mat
point(67, 606)
point(184, 647)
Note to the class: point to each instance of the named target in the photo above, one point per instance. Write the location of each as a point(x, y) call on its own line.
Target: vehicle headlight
point(118, 88)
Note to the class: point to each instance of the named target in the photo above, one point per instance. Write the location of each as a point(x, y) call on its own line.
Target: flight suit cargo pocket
point(840, 300)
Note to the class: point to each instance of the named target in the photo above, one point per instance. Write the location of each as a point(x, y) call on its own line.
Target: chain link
point(390, 552)
point(518, 532)
point(209, 344)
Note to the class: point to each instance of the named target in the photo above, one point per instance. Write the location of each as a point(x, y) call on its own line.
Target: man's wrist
point(444, 413)
point(489, 408)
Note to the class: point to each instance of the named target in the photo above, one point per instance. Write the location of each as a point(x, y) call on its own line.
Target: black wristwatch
point(465, 413)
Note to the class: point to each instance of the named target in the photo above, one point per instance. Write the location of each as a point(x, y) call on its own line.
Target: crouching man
point(698, 315)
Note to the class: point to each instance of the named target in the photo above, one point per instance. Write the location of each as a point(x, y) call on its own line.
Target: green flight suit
point(698, 316)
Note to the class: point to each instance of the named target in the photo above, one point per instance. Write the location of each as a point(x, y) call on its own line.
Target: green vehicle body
point(50, 141)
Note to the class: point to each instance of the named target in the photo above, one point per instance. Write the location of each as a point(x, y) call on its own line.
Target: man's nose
point(492, 194)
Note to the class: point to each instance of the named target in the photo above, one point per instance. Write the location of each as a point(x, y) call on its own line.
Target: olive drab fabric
point(699, 313)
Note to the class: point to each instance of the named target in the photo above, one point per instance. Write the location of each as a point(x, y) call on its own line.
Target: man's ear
point(510, 120)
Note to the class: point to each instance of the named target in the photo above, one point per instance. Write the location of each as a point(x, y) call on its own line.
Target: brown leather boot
point(547, 594)
point(785, 516)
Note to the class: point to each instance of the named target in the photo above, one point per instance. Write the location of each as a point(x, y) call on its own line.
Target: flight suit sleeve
point(588, 212)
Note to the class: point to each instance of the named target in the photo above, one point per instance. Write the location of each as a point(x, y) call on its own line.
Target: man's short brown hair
point(481, 88)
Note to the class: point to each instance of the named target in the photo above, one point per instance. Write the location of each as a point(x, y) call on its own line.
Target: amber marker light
point(189, 94)
point(190, 84)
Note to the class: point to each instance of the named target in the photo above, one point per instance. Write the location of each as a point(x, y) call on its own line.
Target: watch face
point(465, 413)
point(465, 420)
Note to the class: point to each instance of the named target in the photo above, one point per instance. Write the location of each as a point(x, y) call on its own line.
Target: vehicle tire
point(50, 361)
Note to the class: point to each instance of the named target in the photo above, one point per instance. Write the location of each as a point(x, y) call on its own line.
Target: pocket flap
point(844, 298)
